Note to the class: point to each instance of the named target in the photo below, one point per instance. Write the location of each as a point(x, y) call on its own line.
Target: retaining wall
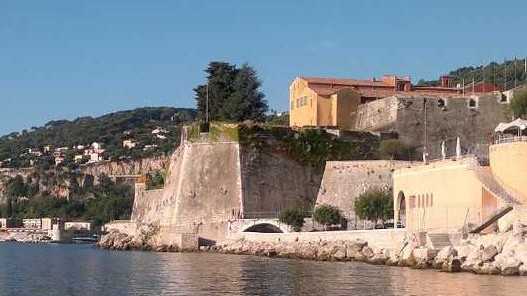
point(381, 238)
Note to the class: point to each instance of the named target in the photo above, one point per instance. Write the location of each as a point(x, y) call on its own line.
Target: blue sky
point(66, 58)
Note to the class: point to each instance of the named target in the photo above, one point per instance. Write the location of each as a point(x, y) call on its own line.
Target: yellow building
point(318, 105)
point(333, 102)
point(454, 194)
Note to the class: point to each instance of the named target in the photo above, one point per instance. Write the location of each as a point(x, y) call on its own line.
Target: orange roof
point(374, 88)
point(343, 82)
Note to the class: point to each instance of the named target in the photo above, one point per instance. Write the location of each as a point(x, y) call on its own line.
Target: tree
point(293, 217)
point(519, 104)
point(234, 94)
point(246, 100)
point(374, 205)
point(327, 215)
point(16, 187)
point(395, 149)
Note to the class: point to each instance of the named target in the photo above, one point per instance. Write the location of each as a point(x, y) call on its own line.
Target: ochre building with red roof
point(333, 102)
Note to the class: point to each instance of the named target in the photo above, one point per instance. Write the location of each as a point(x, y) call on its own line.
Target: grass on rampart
point(309, 146)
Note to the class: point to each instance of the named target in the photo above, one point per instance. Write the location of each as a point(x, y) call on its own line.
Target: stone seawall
point(382, 238)
point(499, 253)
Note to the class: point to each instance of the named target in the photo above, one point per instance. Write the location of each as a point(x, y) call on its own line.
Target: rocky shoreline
point(495, 254)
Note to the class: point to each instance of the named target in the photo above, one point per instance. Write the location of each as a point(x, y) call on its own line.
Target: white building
point(129, 144)
point(159, 130)
point(59, 160)
point(85, 226)
point(149, 147)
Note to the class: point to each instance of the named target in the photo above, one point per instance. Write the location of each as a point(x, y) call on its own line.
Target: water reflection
point(84, 270)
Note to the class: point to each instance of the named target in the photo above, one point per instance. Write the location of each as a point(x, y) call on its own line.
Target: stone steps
point(438, 240)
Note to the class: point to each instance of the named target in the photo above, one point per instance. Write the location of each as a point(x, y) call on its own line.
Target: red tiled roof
point(374, 89)
point(343, 82)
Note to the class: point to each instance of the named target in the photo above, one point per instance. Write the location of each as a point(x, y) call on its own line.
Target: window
point(292, 104)
point(302, 101)
point(441, 103)
point(472, 103)
point(411, 202)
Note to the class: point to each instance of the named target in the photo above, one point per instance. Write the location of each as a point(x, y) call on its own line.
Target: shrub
point(395, 150)
point(293, 217)
point(519, 104)
point(374, 205)
point(155, 181)
point(327, 215)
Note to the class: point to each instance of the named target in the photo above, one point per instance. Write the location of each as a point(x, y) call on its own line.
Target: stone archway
point(264, 228)
point(401, 210)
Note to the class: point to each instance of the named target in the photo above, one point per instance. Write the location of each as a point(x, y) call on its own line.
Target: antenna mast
point(207, 105)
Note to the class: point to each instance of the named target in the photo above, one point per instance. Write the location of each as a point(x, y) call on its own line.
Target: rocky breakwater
point(499, 253)
point(142, 238)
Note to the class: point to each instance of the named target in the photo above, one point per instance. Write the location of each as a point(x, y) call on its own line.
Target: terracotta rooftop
point(344, 82)
point(376, 88)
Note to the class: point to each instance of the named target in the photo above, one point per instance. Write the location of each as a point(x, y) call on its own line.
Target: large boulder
point(443, 256)
point(507, 263)
point(464, 250)
point(487, 268)
point(453, 264)
point(354, 250)
point(407, 257)
point(379, 257)
point(424, 257)
point(392, 257)
point(523, 269)
point(473, 260)
point(511, 266)
point(308, 251)
point(488, 253)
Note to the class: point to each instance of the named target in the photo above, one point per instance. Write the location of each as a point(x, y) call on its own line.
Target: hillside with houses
point(124, 135)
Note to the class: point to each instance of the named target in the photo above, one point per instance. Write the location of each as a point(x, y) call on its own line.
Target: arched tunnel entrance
point(264, 228)
point(401, 206)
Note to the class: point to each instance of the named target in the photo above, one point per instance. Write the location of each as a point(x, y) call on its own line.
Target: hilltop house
point(129, 144)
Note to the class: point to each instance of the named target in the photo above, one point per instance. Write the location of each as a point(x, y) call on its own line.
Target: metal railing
point(511, 139)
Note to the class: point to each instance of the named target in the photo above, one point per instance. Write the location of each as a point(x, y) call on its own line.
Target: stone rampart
point(345, 181)
point(472, 118)
point(211, 184)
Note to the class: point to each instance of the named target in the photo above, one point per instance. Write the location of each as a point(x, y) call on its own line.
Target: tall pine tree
point(234, 94)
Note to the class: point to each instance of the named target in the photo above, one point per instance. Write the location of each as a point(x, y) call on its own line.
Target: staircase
point(492, 185)
point(438, 241)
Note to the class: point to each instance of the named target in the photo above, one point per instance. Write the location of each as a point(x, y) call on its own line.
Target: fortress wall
point(202, 192)
point(345, 181)
point(378, 115)
point(406, 116)
point(210, 190)
point(210, 184)
point(155, 206)
point(271, 182)
point(145, 203)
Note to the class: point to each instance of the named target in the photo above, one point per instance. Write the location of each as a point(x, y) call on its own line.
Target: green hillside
point(110, 130)
point(506, 74)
